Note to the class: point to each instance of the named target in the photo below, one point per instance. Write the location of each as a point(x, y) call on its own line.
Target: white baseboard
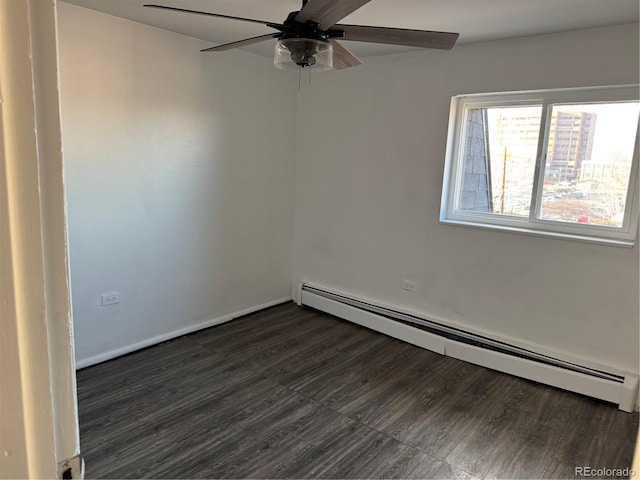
point(103, 357)
point(624, 393)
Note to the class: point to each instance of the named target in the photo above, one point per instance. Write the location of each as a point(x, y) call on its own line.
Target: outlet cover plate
point(109, 299)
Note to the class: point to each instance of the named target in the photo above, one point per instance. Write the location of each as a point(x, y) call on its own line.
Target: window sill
point(616, 242)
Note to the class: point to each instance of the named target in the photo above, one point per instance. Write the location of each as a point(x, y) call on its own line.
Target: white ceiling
point(475, 20)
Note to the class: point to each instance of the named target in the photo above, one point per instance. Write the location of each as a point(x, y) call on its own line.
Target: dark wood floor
point(293, 393)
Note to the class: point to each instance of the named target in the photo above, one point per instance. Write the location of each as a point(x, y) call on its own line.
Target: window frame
point(454, 164)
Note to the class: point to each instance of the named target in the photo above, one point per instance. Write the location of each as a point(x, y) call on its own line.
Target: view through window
point(589, 158)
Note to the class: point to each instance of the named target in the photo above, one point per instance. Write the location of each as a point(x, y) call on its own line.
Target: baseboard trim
point(111, 354)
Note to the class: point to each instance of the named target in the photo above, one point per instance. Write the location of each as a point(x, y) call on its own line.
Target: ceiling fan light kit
point(296, 53)
point(308, 38)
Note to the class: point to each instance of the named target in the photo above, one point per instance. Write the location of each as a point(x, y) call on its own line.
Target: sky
point(616, 127)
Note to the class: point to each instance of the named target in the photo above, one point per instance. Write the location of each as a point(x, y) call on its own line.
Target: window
point(554, 162)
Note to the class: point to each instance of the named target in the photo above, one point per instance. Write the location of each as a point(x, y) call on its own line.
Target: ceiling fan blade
point(399, 36)
point(342, 57)
point(327, 12)
point(184, 10)
point(242, 43)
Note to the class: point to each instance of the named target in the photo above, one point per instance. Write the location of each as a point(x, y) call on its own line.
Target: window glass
point(589, 158)
point(500, 158)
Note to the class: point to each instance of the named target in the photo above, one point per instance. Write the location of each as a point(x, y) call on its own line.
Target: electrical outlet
point(109, 299)
point(408, 285)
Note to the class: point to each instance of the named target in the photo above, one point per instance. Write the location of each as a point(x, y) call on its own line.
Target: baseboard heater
point(615, 387)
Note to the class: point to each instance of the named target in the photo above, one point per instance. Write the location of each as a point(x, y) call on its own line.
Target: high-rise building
point(570, 144)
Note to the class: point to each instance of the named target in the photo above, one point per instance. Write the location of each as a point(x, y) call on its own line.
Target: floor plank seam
point(327, 405)
point(415, 448)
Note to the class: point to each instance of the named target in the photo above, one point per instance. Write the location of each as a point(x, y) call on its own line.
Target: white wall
point(370, 161)
point(179, 176)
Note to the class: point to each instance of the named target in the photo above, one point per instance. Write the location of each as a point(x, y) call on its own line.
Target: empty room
point(324, 239)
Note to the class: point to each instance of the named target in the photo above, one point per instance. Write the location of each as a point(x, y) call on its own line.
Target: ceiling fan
point(308, 38)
